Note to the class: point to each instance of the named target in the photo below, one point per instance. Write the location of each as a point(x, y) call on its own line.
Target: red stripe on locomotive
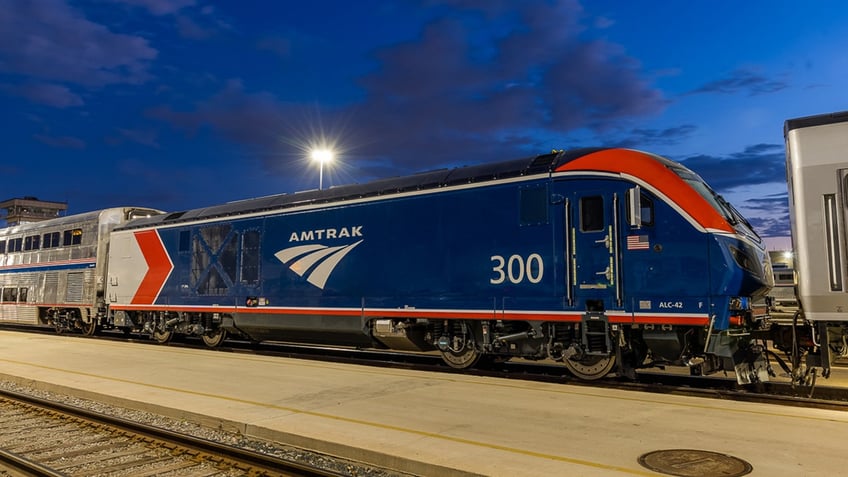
point(653, 172)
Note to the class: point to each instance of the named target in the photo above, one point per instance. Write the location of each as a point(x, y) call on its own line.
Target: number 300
point(516, 269)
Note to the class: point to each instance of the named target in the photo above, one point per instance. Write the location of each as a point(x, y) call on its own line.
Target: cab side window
point(591, 213)
point(646, 207)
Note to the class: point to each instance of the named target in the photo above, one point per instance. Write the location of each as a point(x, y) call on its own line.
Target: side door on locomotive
point(602, 220)
point(587, 217)
point(594, 215)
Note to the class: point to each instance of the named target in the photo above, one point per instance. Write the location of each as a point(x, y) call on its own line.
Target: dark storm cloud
point(49, 40)
point(744, 81)
point(481, 79)
point(758, 164)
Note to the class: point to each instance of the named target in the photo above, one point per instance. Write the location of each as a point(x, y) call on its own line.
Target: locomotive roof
point(544, 163)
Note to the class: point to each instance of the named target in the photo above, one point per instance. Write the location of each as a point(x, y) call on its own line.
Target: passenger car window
point(50, 240)
point(72, 237)
point(10, 295)
point(33, 242)
point(15, 245)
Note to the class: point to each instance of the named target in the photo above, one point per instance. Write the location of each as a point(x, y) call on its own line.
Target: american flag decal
point(638, 242)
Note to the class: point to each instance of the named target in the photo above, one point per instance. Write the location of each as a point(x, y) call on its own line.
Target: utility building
point(30, 209)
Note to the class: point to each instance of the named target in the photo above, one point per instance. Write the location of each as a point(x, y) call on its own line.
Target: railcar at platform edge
point(600, 258)
point(817, 179)
point(53, 272)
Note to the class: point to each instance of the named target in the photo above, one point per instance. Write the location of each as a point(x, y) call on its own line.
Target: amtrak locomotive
point(603, 259)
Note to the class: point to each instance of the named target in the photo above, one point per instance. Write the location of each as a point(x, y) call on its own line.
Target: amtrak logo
point(315, 262)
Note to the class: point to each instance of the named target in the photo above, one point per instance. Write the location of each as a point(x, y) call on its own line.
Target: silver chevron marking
point(303, 258)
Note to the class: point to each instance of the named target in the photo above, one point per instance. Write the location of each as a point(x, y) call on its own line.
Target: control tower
point(30, 209)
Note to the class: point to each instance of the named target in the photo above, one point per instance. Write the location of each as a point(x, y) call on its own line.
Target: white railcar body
point(817, 176)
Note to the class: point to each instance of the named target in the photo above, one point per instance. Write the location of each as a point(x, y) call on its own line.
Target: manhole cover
point(694, 463)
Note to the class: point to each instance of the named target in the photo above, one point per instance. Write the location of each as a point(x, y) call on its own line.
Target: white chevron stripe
point(322, 272)
point(290, 253)
point(301, 266)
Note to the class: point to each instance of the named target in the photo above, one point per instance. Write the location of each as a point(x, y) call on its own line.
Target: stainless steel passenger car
point(52, 273)
point(817, 175)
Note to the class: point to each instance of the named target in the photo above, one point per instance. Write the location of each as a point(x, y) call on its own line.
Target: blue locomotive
point(592, 257)
point(603, 259)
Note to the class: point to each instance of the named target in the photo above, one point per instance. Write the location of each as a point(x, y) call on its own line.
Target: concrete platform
point(427, 423)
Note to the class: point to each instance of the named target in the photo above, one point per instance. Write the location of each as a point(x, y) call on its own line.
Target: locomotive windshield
point(722, 206)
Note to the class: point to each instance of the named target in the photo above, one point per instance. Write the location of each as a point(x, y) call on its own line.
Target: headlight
point(745, 260)
point(740, 304)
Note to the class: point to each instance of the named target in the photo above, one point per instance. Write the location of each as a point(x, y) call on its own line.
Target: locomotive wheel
point(214, 338)
point(591, 367)
point(464, 358)
point(90, 328)
point(162, 337)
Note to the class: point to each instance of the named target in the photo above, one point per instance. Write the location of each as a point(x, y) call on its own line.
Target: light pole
point(322, 156)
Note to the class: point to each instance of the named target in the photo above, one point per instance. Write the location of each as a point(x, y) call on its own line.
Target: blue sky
point(177, 104)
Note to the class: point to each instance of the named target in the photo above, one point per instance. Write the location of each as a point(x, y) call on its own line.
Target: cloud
point(281, 47)
point(49, 40)
point(159, 7)
point(198, 23)
point(759, 169)
point(62, 142)
point(742, 80)
point(189, 28)
point(774, 202)
point(467, 83)
point(640, 137)
point(254, 119)
point(144, 137)
point(772, 219)
point(757, 164)
point(57, 96)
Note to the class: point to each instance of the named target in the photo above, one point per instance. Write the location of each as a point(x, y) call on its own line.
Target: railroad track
point(44, 438)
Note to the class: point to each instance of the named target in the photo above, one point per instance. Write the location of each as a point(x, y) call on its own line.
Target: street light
point(322, 156)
